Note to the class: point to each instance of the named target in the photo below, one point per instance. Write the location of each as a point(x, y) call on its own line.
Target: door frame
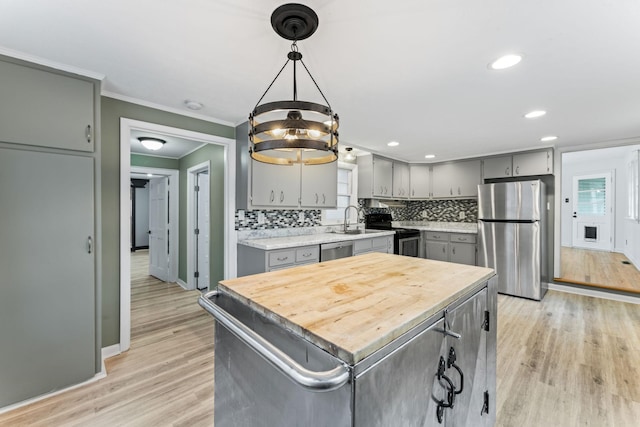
point(191, 219)
point(174, 189)
point(230, 238)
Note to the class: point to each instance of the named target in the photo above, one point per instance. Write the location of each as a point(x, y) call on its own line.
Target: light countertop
point(353, 306)
point(271, 243)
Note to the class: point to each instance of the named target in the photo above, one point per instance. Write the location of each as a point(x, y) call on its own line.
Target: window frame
point(353, 195)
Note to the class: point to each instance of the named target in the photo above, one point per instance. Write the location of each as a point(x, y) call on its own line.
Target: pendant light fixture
point(293, 131)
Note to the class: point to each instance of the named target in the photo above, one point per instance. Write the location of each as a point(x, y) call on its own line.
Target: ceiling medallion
point(293, 131)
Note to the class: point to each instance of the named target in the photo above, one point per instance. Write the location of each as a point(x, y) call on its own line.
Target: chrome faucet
point(346, 212)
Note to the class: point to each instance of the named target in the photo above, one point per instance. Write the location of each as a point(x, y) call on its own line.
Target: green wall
point(154, 162)
point(111, 112)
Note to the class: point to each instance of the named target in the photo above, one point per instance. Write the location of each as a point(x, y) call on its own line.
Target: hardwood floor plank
point(598, 269)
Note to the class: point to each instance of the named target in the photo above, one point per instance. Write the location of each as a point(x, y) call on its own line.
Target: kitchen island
point(377, 339)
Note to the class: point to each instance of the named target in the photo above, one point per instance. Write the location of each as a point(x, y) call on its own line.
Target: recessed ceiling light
point(505, 62)
point(535, 113)
point(393, 144)
point(149, 174)
point(193, 105)
point(548, 138)
point(430, 156)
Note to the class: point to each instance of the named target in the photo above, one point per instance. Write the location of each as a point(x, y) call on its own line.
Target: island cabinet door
point(467, 361)
point(403, 388)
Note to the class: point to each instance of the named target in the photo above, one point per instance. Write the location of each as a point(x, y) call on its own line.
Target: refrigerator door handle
point(310, 380)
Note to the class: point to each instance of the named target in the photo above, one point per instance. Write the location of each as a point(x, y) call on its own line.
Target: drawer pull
point(307, 255)
point(282, 259)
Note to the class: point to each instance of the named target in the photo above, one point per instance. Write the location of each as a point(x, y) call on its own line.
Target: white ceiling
point(414, 71)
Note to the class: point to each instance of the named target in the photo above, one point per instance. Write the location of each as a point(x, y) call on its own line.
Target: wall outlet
point(261, 218)
point(300, 217)
point(462, 215)
point(241, 215)
point(424, 213)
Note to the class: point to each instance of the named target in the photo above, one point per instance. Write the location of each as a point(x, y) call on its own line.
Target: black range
point(406, 241)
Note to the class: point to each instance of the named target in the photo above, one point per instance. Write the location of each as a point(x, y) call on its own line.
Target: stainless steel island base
point(440, 372)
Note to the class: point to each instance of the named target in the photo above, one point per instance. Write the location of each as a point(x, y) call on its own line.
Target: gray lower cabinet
point(460, 248)
point(46, 108)
point(440, 376)
point(382, 244)
point(253, 260)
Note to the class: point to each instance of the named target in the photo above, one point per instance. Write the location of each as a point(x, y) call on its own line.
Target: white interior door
point(202, 236)
point(593, 212)
point(159, 228)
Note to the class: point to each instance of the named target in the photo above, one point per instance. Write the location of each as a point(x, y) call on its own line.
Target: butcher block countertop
point(353, 306)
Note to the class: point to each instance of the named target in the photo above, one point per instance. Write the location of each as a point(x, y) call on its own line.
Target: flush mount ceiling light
point(293, 131)
point(430, 156)
point(152, 144)
point(548, 138)
point(393, 144)
point(349, 154)
point(193, 105)
point(534, 114)
point(506, 61)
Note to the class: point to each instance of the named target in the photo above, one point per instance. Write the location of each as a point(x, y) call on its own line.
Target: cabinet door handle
point(89, 244)
point(443, 251)
point(89, 134)
point(517, 170)
point(281, 196)
point(459, 192)
point(506, 171)
point(451, 191)
point(316, 198)
point(324, 199)
point(413, 192)
point(453, 250)
point(273, 195)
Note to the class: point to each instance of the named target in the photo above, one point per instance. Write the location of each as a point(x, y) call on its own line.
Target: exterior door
point(47, 285)
point(203, 265)
point(592, 212)
point(159, 228)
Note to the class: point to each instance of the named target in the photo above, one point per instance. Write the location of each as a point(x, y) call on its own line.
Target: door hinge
point(196, 231)
point(196, 188)
point(485, 405)
point(196, 274)
point(486, 324)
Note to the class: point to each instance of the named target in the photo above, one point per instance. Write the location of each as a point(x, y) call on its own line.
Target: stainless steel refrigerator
point(512, 236)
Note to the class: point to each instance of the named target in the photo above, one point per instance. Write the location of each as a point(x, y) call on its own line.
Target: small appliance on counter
point(512, 236)
point(406, 241)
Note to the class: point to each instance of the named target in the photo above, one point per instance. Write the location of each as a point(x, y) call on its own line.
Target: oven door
point(408, 246)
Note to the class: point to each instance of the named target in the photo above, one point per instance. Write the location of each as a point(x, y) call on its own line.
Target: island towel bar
point(310, 380)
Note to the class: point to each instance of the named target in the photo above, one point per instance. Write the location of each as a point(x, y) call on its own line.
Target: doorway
point(127, 126)
point(198, 226)
point(596, 242)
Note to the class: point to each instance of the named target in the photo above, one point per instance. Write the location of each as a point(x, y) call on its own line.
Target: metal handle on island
point(310, 380)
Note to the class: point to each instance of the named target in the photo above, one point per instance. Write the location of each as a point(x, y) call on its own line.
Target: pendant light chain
point(294, 48)
point(317, 87)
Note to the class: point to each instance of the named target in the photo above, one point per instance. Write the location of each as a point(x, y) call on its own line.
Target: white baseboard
point(106, 353)
point(183, 284)
point(597, 293)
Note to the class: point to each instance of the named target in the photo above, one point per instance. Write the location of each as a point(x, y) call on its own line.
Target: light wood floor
point(598, 269)
point(566, 361)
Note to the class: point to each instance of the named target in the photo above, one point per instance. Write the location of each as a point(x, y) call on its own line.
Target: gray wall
point(142, 216)
point(112, 111)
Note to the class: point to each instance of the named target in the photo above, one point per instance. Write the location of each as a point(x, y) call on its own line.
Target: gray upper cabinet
point(456, 179)
point(44, 108)
point(420, 185)
point(498, 167)
point(400, 180)
point(319, 185)
point(375, 177)
point(266, 186)
point(536, 163)
point(523, 164)
point(275, 186)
